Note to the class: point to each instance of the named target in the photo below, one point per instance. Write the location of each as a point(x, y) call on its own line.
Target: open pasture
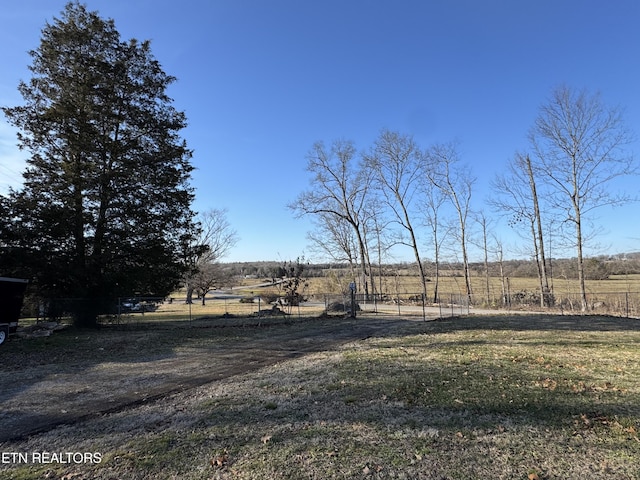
point(617, 295)
point(454, 284)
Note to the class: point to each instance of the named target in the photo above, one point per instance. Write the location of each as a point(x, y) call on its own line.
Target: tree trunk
point(486, 273)
point(416, 253)
point(463, 242)
point(363, 261)
point(536, 256)
point(465, 263)
point(189, 299)
point(545, 297)
point(581, 279)
point(502, 276)
point(436, 283)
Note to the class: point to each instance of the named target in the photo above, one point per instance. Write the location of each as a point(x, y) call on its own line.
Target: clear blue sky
point(261, 81)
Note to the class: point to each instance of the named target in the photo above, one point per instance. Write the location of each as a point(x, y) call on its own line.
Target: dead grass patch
point(481, 397)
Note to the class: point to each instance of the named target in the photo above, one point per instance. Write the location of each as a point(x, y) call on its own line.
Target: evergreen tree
point(105, 203)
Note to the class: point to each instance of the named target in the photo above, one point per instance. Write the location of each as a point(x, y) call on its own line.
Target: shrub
point(269, 297)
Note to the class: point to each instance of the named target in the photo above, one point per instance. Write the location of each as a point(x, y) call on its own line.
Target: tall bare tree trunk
point(486, 260)
point(503, 279)
point(436, 280)
point(581, 279)
point(545, 297)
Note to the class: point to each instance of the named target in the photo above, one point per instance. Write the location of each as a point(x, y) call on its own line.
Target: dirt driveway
point(74, 376)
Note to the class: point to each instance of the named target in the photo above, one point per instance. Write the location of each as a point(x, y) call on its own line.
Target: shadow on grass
point(586, 323)
point(403, 390)
point(78, 373)
point(423, 390)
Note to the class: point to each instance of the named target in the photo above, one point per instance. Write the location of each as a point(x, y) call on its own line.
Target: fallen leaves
point(71, 476)
point(369, 470)
point(220, 460)
point(548, 383)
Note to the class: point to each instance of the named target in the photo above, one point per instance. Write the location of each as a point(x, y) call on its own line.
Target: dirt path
point(37, 398)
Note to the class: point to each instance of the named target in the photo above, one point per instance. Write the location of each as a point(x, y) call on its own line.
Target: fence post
point(452, 313)
point(626, 298)
point(424, 313)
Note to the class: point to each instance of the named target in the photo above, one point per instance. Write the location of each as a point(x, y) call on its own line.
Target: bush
point(526, 297)
point(340, 307)
point(268, 297)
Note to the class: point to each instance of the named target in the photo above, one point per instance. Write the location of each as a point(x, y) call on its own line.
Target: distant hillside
point(596, 268)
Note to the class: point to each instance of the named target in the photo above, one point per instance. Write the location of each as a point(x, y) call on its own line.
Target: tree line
point(365, 202)
point(600, 267)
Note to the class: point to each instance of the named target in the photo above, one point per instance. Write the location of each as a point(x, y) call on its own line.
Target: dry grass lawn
point(528, 397)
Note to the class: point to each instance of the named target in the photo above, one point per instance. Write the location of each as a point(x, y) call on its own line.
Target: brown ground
point(62, 384)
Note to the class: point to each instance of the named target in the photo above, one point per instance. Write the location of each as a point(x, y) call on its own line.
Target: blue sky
point(261, 81)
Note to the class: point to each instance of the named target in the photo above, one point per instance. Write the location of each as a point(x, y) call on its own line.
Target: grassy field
point(608, 294)
point(455, 284)
point(529, 397)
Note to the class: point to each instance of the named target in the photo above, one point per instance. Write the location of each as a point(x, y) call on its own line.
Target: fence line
point(126, 309)
point(625, 304)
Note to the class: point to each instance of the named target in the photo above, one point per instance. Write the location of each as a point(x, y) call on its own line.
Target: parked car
point(138, 305)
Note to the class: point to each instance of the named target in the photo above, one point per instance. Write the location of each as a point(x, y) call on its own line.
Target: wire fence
point(124, 310)
point(623, 304)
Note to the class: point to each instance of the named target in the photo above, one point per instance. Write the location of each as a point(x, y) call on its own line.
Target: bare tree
point(216, 238)
point(485, 224)
point(217, 233)
point(293, 283)
point(454, 179)
point(516, 194)
point(399, 165)
point(340, 190)
point(335, 238)
point(545, 298)
point(499, 252)
point(377, 228)
point(581, 148)
point(433, 201)
point(208, 277)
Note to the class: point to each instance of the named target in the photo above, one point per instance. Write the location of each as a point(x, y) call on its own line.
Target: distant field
point(619, 295)
point(455, 284)
point(608, 293)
